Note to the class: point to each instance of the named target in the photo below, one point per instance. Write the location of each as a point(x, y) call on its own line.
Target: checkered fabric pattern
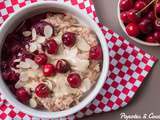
point(129, 65)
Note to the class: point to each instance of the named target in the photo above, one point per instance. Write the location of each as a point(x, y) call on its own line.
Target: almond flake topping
point(48, 31)
point(83, 45)
point(27, 33)
point(34, 34)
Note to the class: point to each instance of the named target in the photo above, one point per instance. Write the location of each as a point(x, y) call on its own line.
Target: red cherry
point(10, 76)
point(126, 4)
point(158, 8)
point(69, 39)
point(62, 66)
point(52, 47)
point(133, 16)
point(41, 59)
point(151, 39)
point(95, 53)
point(156, 35)
point(151, 15)
point(139, 5)
point(145, 25)
point(49, 70)
point(74, 80)
point(22, 95)
point(124, 17)
point(132, 29)
point(42, 91)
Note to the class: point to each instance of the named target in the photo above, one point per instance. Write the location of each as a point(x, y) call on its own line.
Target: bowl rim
point(133, 38)
point(45, 114)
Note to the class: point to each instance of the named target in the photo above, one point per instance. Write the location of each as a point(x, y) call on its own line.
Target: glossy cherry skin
point(126, 5)
point(10, 77)
point(151, 39)
point(156, 34)
point(151, 15)
point(52, 47)
point(22, 95)
point(158, 9)
point(95, 53)
point(41, 59)
point(62, 66)
point(145, 25)
point(49, 69)
point(74, 80)
point(69, 39)
point(124, 17)
point(139, 5)
point(42, 90)
point(132, 29)
point(133, 16)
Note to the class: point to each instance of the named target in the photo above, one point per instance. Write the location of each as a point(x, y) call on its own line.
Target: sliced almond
point(41, 39)
point(80, 65)
point(19, 54)
point(83, 45)
point(48, 31)
point(86, 85)
point(33, 47)
point(19, 84)
point(97, 68)
point(32, 103)
point(24, 65)
point(17, 60)
point(34, 34)
point(32, 64)
point(58, 39)
point(23, 76)
point(27, 47)
point(26, 33)
point(49, 84)
point(84, 55)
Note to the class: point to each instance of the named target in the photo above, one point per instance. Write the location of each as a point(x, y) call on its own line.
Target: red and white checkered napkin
point(129, 66)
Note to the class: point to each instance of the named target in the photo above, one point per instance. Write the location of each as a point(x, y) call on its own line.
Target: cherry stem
point(155, 12)
point(146, 6)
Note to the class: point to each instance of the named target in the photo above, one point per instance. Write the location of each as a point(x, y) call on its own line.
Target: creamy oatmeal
point(50, 61)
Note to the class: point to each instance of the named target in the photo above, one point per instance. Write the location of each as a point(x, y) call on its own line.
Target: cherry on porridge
point(51, 59)
point(95, 53)
point(52, 47)
point(42, 90)
point(62, 66)
point(22, 95)
point(69, 39)
point(41, 59)
point(49, 70)
point(74, 80)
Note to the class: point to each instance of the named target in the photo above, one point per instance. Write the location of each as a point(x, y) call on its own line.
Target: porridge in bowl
point(51, 61)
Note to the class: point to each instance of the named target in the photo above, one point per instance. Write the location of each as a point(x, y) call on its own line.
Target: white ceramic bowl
point(133, 38)
point(39, 7)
